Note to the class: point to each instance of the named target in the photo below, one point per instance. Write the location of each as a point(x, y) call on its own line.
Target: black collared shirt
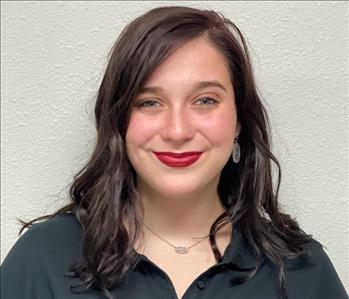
point(35, 266)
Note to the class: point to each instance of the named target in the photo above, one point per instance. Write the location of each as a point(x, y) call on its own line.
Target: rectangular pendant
point(181, 250)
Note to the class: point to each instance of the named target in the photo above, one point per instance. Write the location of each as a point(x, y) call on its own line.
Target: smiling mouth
point(178, 159)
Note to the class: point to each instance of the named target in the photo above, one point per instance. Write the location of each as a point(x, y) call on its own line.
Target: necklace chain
point(178, 249)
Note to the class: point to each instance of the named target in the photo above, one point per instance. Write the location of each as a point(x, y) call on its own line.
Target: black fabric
point(35, 267)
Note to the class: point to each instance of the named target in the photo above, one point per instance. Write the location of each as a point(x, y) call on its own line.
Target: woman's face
point(179, 115)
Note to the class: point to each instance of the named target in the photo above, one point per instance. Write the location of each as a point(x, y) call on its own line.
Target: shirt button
point(201, 284)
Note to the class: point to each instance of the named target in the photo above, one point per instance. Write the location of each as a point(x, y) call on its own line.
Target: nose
point(177, 126)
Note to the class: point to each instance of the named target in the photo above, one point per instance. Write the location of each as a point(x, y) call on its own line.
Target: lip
point(178, 159)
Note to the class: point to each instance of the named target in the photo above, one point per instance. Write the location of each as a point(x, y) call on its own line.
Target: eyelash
point(140, 104)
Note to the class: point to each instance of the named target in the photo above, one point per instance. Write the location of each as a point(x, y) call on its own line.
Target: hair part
point(104, 192)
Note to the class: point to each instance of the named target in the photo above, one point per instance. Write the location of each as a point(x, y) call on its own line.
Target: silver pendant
point(181, 250)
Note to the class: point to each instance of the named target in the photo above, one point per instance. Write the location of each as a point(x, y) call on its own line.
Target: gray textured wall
point(53, 55)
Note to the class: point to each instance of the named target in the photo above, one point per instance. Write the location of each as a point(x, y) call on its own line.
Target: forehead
point(197, 60)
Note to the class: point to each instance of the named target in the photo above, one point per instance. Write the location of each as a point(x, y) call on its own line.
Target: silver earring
point(236, 151)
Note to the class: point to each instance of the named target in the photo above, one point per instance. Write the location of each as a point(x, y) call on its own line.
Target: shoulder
point(57, 223)
point(314, 258)
point(39, 257)
point(315, 273)
point(61, 229)
point(62, 232)
point(315, 255)
point(64, 226)
point(316, 252)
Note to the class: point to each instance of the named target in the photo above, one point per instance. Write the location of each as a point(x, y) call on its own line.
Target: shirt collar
point(239, 253)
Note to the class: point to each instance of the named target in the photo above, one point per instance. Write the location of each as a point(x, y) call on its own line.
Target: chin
point(178, 190)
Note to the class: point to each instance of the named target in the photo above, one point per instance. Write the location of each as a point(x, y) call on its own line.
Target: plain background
point(53, 56)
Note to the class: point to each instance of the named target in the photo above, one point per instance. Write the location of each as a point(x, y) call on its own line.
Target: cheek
point(140, 129)
point(219, 129)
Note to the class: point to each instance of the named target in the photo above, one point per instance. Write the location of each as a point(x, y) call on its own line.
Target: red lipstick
point(178, 159)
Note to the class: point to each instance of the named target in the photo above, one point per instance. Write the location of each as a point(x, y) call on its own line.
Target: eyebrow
point(197, 86)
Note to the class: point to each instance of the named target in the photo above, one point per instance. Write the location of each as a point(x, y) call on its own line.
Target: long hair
point(104, 191)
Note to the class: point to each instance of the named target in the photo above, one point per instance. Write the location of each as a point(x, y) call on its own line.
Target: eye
point(146, 103)
point(208, 101)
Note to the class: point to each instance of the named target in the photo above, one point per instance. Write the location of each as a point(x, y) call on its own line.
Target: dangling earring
point(236, 151)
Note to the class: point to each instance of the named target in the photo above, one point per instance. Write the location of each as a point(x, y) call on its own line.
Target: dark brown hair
point(104, 190)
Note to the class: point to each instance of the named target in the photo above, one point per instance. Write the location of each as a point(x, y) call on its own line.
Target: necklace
point(178, 249)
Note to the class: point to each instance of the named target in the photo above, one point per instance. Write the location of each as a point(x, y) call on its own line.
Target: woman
point(177, 199)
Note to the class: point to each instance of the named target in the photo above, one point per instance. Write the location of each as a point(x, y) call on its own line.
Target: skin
point(182, 203)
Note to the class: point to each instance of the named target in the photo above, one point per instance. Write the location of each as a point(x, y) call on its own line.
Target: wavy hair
point(104, 191)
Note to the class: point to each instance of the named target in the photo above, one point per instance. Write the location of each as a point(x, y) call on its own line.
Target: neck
point(181, 218)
